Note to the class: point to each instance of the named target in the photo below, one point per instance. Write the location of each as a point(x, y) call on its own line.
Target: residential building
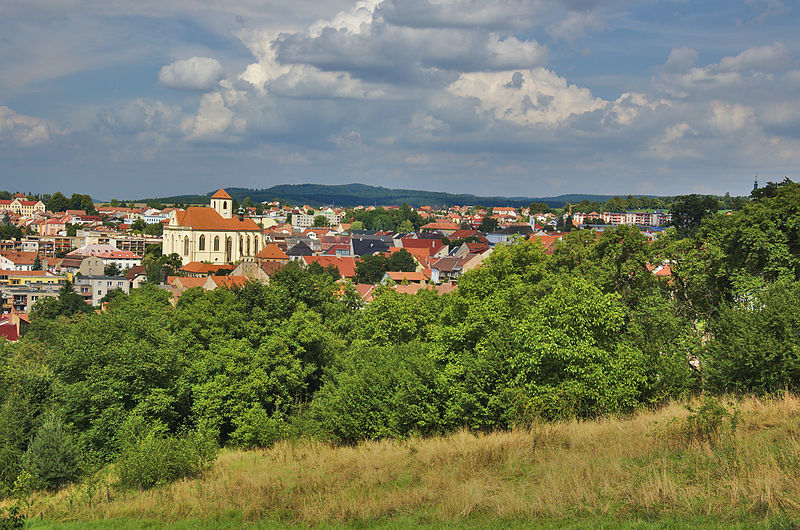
point(94, 288)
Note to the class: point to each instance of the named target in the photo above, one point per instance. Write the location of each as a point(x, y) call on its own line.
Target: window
point(202, 244)
point(224, 205)
point(186, 246)
point(248, 245)
point(216, 243)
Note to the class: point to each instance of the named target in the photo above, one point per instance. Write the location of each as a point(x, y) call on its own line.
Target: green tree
point(321, 221)
point(357, 225)
point(370, 269)
point(57, 203)
point(406, 227)
point(688, 211)
point(52, 456)
point(138, 225)
point(488, 224)
point(539, 207)
point(37, 263)
point(112, 269)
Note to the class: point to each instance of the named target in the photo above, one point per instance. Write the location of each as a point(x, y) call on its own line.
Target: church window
point(186, 246)
point(201, 245)
point(216, 243)
point(248, 245)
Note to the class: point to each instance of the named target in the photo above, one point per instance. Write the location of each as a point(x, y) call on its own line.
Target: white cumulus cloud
point(195, 73)
point(23, 130)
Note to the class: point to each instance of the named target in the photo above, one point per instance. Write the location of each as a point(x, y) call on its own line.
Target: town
point(98, 249)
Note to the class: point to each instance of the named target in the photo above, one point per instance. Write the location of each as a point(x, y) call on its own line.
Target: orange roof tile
point(272, 251)
point(204, 218)
point(345, 264)
point(400, 276)
point(221, 194)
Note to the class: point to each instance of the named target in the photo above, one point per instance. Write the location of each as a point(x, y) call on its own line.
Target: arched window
point(186, 246)
point(224, 205)
point(216, 243)
point(255, 244)
point(201, 245)
point(241, 246)
point(248, 245)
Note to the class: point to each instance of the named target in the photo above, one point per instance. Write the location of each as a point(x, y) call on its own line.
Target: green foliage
point(57, 203)
point(392, 219)
point(688, 211)
point(756, 345)
point(371, 268)
point(52, 456)
point(488, 224)
point(138, 225)
point(321, 221)
point(150, 457)
point(67, 304)
point(11, 518)
point(378, 392)
point(710, 422)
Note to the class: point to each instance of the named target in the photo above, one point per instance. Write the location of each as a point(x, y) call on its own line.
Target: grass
point(643, 471)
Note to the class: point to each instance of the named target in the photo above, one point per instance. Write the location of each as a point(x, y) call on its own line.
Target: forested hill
point(362, 194)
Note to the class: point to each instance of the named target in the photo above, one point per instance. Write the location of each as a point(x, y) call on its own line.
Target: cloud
point(532, 97)
point(576, 25)
point(195, 73)
point(25, 131)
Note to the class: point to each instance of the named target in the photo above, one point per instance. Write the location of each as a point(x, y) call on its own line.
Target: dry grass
point(635, 466)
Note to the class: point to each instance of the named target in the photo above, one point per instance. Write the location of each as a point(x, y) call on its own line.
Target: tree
point(688, 211)
point(52, 457)
point(112, 269)
point(321, 221)
point(488, 224)
point(57, 202)
point(138, 225)
point(153, 229)
point(37, 263)
point(406, 227)
point(539, 207)
point(370, 269)
point(357, 225)
point(402, 260)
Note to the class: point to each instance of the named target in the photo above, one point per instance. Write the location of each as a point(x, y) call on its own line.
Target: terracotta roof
point(198, 267)
point(399, 276)
point(135, 271)
point(24, 273)
point(19, 257)
point(440, 226)
point(346, 265)
point(189, 282)
point(272, 251)
point(229, 281)
point(204, 218)
point(221, 194)
point(365, 291)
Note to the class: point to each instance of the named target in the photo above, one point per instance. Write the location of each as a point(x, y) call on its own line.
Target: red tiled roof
point(204, 218)
point(440, 226)
point(198, 267)
point(221, 194)
point(345, 264)
point(272, 251)
point(399, 276)
point(229, 281)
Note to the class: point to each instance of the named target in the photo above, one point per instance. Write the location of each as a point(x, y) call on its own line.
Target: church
point(212, 234)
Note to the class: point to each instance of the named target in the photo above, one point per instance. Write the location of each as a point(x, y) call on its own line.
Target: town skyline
point(488, 98)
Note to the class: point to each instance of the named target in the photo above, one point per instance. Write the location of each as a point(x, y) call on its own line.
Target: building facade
point(212, 234)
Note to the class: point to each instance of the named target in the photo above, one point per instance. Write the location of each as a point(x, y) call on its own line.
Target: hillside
point(362, 194)
point(653, 469)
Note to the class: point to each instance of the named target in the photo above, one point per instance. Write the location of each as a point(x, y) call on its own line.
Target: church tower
point(222, 203)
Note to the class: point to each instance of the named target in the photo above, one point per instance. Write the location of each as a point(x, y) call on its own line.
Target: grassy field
point(654, 469)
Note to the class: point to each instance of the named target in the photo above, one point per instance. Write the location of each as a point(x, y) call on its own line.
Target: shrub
point(150, 457)
point(255, 428)
point(710, 422)
point(10, 518)
point(52, 457)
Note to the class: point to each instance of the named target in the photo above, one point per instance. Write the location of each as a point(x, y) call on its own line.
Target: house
point(21, 298)
point(299, 250)
point(137, 275)
point(272, 253)
point(212, 234)
point(20, 261)
point(345, 265)
point(20, 206)
point(109, 254)
point(94, 288)
point(401, 276)
point(368, 245)
point(435, 247)
point(450, 268)
point(508, 233)
point(445, 227)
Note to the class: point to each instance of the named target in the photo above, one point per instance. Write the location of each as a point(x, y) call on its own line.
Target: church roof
point(204, 218)
point(221, 194)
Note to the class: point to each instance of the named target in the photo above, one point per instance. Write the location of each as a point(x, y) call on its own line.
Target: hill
point(667, 468)
point(349, 195)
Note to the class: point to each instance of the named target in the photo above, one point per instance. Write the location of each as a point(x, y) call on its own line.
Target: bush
point(10, 518)
point(255, 428)
point(710, 423)
point(52, 457)
point(150, 457)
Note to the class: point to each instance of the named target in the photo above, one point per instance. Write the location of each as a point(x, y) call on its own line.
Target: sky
point(123, 99)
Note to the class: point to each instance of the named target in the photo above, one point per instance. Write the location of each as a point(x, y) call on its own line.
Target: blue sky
point(503, 97)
